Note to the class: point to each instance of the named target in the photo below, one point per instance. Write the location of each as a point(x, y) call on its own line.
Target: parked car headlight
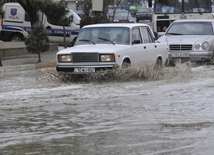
point(64, 58)
point(205, 45)
point(197, 46)
point(107, 58)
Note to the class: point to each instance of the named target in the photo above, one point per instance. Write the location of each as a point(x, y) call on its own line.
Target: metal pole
point(183, 6)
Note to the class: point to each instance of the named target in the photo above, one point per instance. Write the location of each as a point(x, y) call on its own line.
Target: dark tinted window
point(144, 10)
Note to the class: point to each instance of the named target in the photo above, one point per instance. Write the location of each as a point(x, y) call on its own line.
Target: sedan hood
point(191, 39)
point(100, 48)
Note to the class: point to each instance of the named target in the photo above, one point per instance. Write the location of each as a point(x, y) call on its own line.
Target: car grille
point(179, 47)
point(85, 57)
point(123, 21)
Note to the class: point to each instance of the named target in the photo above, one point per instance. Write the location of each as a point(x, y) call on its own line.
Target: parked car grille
point(179, 47)
point(85, 57)
point(123, 21)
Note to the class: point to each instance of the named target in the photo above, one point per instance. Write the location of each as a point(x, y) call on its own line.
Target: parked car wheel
point(16, 37)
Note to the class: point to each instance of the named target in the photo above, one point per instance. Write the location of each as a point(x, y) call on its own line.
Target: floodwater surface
point(122, 112)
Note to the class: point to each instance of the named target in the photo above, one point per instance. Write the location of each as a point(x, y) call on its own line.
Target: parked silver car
point(190, 40)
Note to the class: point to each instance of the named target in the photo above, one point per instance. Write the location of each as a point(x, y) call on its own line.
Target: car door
point(150, 45)
point(140, 52)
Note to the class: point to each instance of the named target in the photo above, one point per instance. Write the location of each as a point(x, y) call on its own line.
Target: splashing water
point(181, 72)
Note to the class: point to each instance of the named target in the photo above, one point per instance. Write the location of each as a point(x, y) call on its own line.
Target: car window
point(146, 35)
point(136, 35)
point(76, 18)
point(191, 28)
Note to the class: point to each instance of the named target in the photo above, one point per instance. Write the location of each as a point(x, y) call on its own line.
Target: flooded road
point(42, 113)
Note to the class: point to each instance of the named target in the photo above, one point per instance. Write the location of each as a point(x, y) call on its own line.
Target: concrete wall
point(11, 49)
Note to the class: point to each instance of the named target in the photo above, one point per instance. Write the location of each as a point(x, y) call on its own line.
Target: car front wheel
point(126, 64)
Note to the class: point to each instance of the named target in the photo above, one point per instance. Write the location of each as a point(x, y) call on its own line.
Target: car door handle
point(48, 27)
point(155, 46)
point(144, 47)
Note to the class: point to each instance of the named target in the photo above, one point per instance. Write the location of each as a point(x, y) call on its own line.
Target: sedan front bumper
point(195, 56)
point(83, 69)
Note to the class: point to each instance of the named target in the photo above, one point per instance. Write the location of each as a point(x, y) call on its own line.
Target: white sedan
point(113, 45)
point(190, 40)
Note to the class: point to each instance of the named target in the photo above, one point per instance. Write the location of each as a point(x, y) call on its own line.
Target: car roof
point(194, 20)
point(129, 25)
point(12, 4)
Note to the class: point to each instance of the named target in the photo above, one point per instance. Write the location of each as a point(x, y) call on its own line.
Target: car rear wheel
point(16, 37)
point(158, 64)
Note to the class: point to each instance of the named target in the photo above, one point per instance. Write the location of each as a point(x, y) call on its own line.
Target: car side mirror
point(136, 42)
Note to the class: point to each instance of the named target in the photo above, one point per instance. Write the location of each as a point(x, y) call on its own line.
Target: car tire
point(16, 37)
point(126, 64)
point(158, 64)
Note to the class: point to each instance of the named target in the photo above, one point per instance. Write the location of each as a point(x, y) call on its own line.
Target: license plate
point(84, 70)
point(179, 54)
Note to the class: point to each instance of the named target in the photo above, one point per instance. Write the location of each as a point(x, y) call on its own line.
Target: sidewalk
point(29, 61)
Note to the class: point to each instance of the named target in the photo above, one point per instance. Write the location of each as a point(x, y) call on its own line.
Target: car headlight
point(197, 46)
point(107, 58)
point(205, 45)
point(64, 58)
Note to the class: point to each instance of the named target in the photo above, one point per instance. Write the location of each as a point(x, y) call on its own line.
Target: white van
point(15, 25)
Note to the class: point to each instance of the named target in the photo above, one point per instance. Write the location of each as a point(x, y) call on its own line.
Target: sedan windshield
point(104, 35)
point(190, 28)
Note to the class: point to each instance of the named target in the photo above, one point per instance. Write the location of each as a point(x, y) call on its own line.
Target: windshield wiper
point(106, 40)
point(174, 33)
point(86, 40)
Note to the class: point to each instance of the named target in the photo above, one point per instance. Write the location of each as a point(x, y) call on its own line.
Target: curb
point(45, 64)
point(27, 67)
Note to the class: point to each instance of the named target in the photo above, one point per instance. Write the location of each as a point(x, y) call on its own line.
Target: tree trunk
point(30, 10)
point(64, 37)
point(39, 56)
point(0, 62)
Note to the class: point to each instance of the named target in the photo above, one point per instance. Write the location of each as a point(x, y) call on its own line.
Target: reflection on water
point(131, 111)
